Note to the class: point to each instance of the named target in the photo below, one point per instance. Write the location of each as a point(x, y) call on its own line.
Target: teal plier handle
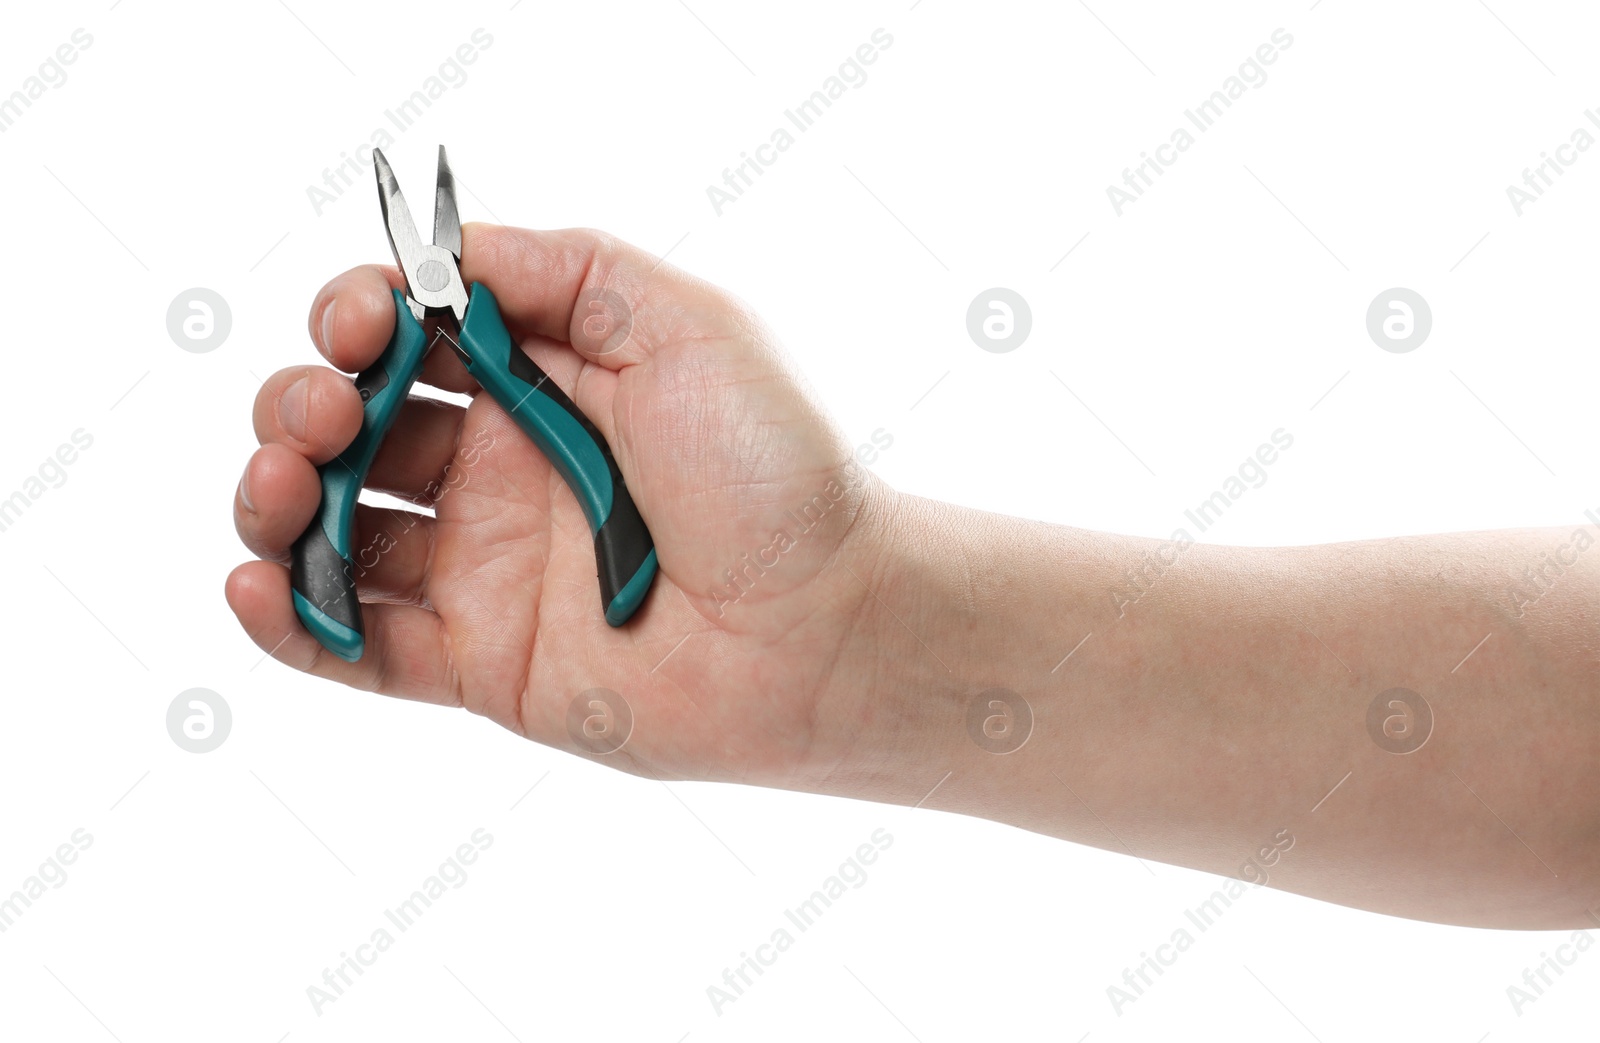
point(322, 569)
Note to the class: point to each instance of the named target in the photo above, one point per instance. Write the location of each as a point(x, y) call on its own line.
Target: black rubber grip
point(324, 577)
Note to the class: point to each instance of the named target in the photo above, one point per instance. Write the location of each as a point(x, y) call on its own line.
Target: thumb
point(613, 302)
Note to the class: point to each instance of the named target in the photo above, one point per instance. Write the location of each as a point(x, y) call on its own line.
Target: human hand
point(491, 604)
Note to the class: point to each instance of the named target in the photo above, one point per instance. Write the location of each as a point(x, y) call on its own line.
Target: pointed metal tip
point(446, 218)
point(403, 238)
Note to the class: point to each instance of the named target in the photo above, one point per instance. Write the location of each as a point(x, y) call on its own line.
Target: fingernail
point(327, 328)
point(292, 409)
point(244, 491)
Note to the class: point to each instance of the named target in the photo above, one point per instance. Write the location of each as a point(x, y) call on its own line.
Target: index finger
point(352, 319)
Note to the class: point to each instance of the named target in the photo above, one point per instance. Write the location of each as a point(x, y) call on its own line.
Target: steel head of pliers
point(432, 270)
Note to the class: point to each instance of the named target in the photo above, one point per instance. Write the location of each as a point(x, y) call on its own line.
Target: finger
point(317, 413)
point(613, 302)
point(275, 501)
point(352, 319)
point(277, 498)
point(406, 655)
point(310, 409)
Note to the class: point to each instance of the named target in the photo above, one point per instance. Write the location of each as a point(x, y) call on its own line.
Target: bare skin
point(1225, 707)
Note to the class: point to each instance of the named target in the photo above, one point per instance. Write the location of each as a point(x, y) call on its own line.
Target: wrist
point(947, 617)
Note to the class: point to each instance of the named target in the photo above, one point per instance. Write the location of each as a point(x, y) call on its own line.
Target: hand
point(493, 603)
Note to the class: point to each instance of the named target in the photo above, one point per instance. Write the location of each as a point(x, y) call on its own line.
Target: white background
point(1227, 302)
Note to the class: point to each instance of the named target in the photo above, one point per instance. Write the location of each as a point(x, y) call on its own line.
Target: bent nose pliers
point(322, 574)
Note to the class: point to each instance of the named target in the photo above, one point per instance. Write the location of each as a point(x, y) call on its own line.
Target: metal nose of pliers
point(432, 270)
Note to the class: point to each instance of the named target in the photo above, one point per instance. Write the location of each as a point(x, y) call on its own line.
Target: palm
point(721, 656)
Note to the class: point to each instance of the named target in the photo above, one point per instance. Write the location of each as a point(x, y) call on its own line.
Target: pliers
point(322, 574)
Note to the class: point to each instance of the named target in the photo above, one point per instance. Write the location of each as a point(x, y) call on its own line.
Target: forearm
point(1196, 705)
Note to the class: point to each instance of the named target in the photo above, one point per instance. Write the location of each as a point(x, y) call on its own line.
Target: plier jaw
point(432, 270)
